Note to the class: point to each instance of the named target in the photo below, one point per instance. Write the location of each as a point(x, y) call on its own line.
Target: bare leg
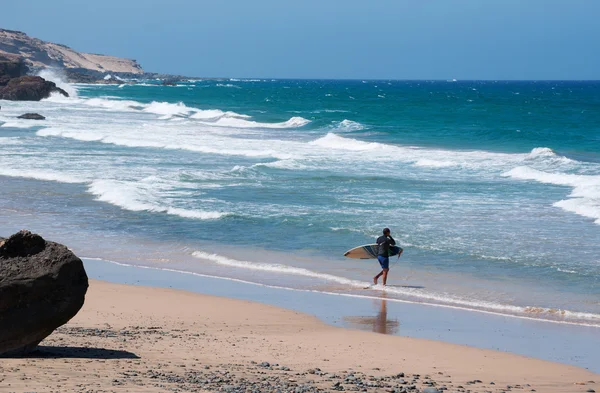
point(377, 277)
point(385, 274)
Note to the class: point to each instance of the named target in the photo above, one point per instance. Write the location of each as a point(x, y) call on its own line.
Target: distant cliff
point(38, 54)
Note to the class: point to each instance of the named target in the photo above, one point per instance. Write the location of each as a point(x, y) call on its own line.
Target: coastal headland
point(78, 67)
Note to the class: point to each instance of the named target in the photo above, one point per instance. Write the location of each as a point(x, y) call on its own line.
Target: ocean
point(491, 187)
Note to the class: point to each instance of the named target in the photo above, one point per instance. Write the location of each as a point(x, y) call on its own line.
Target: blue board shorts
point(384, 262)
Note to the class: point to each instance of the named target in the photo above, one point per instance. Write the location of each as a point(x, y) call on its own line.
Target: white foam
point(276, 268)
point(166, 108)
point(79, 135)
point(41, 175)
point(197, 214)
point(214, 114)
point(407, 293)
point(150, 138)
point(57, 76)
point(333, 141)
point(227, 85)
point(583, 206)
point(349, 125)
point(585, 195)
point(19, 124)
point(139, 196)
point(117, 105)
point(12, 141)
point(548, 155)
point(424, 162)
point(283, 164)
point(234, 122)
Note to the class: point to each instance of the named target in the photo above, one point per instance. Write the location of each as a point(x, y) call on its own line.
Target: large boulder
point(29, 88)
point(42, 286)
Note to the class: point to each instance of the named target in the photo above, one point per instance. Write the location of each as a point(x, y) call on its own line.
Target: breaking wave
point(407, 293)
point(139, 197)
point(584, 198)
point(348, 126)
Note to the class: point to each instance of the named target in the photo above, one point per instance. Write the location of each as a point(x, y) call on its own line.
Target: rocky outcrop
point(28, 88)
point(31, 116)
point(42, 286)
point(12, 66)
point(39, 54)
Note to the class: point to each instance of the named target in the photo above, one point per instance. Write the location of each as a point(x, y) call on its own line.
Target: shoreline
point(181, 259)
point(350, 295)
point(568, 344)
point(137, 338)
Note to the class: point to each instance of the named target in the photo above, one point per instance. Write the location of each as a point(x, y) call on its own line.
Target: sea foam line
point(411, 292)
point(129, 197)
point(168, 110)
point(585, 195)
point(346, 294)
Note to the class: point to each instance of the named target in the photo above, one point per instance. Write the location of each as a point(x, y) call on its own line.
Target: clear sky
point(395, 39)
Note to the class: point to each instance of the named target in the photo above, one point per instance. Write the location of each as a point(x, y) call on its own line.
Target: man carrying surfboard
point(384, 242)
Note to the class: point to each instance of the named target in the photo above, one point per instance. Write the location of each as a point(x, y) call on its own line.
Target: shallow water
point(492, 188)
point(556, 342)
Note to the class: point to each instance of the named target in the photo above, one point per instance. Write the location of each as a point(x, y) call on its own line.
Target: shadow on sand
point(80, 353)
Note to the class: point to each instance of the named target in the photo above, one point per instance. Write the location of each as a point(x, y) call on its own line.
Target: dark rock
point(31, 116)
point(430, 390)
point(42, 286)
point(12, 66)
point(590, 391)
point(29, 88)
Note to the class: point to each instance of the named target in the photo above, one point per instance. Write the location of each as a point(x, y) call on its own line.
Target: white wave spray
point(58, 76)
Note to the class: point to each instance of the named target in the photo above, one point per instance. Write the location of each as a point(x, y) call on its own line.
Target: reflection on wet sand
point(379, 323)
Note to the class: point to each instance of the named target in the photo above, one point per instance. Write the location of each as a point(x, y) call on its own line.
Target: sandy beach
point(138, 339)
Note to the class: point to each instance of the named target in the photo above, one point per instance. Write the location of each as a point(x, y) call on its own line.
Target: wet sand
point(137, 339)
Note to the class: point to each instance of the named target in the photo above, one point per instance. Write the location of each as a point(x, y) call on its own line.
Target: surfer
point(384, 242)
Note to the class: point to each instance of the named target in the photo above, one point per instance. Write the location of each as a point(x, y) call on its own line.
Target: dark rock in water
point(29, 88)
point(31, 116)
point(42, 286)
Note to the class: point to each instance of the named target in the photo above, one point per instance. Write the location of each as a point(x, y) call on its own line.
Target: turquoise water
point(492, 188)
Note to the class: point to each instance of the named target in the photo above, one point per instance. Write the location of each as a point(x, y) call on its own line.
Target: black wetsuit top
point(384, 243)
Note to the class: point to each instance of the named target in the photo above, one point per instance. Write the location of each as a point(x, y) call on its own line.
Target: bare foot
point(375, 280)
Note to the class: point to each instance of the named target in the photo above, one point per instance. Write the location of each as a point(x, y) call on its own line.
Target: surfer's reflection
point(378, 324)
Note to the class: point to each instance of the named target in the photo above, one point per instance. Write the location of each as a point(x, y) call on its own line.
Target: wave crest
point(584, 198)
point(134, 197)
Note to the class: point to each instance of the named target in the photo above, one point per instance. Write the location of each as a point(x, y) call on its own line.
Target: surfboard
point(369, 251)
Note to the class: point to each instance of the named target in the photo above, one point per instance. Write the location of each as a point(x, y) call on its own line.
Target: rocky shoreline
point(28, 56)
point(16, 85)
point(95, 77)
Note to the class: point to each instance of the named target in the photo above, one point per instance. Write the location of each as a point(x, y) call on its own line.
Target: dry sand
point(139, 339)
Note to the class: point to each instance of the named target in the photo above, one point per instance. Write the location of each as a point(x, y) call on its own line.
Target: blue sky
point(396, 39)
